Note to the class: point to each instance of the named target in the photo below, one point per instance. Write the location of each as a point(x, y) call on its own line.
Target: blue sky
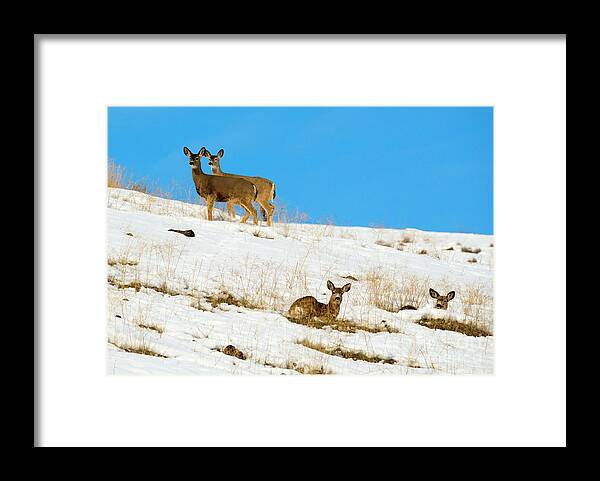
point(429, 168)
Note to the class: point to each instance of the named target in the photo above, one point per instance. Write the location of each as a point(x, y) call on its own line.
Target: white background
point(524, 403)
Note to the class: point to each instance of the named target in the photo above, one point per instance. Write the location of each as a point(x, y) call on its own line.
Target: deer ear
point(186, 151)
point(433, 293)
point(220, 153)
point(450, 295)
point(347, 287)
point(330, 285)
point(202, 151)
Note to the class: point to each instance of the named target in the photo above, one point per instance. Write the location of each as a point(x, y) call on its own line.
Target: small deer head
point(337, 292)
point(214, 161)
point(195, 159)
point(441, 301)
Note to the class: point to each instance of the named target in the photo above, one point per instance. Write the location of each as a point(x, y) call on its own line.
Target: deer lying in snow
point(213, 188)
point(264, 187)
point(441, 301)
point(308, 307)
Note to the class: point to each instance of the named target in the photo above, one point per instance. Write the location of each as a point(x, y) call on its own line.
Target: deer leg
point(250, 210)
point(263, 209)
point(271, 209)
point(246, 215)
point(230, 210)
point(267, 208)
point(209, 207)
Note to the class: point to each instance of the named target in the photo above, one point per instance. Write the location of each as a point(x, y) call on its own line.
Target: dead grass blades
point(477, 306)
point(136, 346)
point(466, 328)
point(387, 294)
point(224, 297)
point(123, 261)
point(342, 325)
point(137, 285)
point(152, 326)
point(316, 368)
point(340, 351)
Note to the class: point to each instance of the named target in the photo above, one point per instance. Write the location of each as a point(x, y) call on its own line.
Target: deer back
point(222, 188)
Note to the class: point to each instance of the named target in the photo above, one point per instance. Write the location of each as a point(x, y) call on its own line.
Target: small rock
point(233, 351)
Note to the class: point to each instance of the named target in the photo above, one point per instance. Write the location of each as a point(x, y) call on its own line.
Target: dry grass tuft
point(345, 353)
point(286, 220)
point(163, 288)
point(477, 306)
point(384, 243)
point(466, 328)
point(313, 370)
point(152, 326)
point(138, 346)
point(301, 367)
point(123, 261)
point(472, 260)
point(423, 252)
point(116, 177)
point(385, 293)
point(470, 250)
point(263, 285)
point(342, 325)
point(224, 297)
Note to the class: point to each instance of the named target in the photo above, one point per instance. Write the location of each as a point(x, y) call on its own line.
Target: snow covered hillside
point(216, 303)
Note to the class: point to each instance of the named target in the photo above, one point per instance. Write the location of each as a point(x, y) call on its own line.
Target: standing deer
point(441, 301)
point(214, 188)
point(308, 307)
point(265, 188)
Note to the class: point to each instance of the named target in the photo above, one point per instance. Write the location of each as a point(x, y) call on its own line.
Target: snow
point(270, 267)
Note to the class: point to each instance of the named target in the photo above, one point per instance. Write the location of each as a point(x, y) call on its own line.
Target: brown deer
point(264, 187)
point(213, 188)
point(308, 307)
point(441, 301)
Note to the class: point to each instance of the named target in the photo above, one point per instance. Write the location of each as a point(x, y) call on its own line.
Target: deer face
point(337, 292)
point(214, 161)
point(195, 159)
point(441, 301)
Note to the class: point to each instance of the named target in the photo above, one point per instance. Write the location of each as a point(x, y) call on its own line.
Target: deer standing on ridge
point(264, 187)
point(308, 307)
point(214, 188)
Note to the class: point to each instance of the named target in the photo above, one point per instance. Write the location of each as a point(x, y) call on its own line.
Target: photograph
point(300, 240)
